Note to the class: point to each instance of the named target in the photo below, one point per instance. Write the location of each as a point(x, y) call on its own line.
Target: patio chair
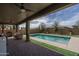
point(8, 34)
point(18, 36)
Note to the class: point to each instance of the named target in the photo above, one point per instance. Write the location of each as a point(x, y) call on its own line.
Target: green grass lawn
point(57, 49)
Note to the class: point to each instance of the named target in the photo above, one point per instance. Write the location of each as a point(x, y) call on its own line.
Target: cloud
point(71, 21)
point(49, 22)
point(35, 23)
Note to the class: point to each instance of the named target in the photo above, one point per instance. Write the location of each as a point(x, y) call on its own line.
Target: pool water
point(59, 39)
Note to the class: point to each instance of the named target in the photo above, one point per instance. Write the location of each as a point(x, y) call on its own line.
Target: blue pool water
point(59, 39)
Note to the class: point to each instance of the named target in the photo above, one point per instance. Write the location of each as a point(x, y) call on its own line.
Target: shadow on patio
point(21, 48)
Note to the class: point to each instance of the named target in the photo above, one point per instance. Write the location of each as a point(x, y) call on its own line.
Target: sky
point(66, 17)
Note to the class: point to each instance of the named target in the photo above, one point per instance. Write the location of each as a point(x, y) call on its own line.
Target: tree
point(77, 24)
point(55, 26)
point(42, 27)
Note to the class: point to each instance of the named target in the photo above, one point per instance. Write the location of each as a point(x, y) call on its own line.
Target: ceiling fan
point(22, 8)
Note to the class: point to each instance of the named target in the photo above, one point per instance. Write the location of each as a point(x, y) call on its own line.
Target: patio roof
point(11, 14)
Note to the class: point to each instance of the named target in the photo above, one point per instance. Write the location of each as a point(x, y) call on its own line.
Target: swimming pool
point(53, 38)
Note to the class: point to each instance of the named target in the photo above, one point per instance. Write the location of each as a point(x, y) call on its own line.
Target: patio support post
point(16, 28)
point(2, 28)
point(27, 31)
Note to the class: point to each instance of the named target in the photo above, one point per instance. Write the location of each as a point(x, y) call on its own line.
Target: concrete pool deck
point(72, 45)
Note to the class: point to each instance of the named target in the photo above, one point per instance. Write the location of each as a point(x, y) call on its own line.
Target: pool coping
point(53, 34)
point(72, 45)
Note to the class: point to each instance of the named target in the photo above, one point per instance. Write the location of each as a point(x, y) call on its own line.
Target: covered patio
point(16, 14)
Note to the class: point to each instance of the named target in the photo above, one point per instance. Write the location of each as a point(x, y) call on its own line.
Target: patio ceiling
point(11, 14)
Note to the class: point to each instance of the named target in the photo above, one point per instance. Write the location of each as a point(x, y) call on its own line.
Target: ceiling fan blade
point(29, 10)
point(17, 5)
point(21, 6)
